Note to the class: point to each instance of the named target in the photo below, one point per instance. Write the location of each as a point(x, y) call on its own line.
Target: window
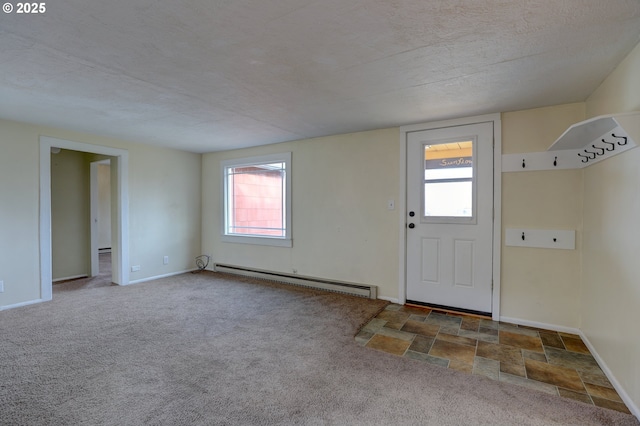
point(257, 200)
point(448, 181)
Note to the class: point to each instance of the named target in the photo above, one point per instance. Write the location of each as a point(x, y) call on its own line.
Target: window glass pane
point(451, 199)
point(451, 173)
point(256, 200)
point(448, 179)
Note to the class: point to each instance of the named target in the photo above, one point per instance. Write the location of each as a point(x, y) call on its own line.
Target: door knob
point(411, 226)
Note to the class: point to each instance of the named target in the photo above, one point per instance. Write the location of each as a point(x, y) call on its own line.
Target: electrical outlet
point(1, 286)
point(135, 268)
point(165, 260)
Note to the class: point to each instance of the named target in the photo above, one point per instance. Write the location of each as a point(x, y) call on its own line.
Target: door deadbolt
point(412, 214)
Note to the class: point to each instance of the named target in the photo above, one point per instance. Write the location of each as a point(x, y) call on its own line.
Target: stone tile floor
point(548, 361)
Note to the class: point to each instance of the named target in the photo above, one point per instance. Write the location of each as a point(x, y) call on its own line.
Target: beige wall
point(164, 193)
point(19, 250)
point(541, 285)
point(70, 221)
point(596, 287)
point(610, 307)
point(342, 228)
point(164, 207)
point(620, 92)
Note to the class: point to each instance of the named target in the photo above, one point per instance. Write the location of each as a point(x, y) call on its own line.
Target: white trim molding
point(542, 325)
point(390, 299)
point(629, 402)
point(21, 304)
point(225, 236)
point(73, 277)
point(157, 277)
point(121, 247)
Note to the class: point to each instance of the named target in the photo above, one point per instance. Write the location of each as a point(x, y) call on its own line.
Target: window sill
point(261, 241)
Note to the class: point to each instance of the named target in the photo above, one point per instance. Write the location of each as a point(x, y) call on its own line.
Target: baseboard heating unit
point(369, 291)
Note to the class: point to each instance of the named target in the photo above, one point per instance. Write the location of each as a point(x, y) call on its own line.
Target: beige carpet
point(208, 349)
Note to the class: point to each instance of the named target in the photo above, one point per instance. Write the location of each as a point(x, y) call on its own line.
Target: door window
point(448, 187)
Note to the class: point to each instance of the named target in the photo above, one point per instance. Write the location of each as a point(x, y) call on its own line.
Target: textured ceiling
point(213, 75)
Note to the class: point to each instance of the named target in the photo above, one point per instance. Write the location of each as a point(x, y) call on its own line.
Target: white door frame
point(497, 199)
point(95, 204)
point(121, 262)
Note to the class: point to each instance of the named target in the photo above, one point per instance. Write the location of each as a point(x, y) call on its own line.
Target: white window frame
point(267, 240)
point(474, 189)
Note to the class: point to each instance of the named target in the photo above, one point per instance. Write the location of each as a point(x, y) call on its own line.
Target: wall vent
point(369, 291)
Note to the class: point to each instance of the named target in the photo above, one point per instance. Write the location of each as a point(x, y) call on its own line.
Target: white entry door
point(450, 217)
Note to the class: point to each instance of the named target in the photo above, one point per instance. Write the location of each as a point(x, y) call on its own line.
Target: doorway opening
point(118, 166)
point(100, 215)
point(80, 219)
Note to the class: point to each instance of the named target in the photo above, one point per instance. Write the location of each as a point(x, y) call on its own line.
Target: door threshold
point(450, 309)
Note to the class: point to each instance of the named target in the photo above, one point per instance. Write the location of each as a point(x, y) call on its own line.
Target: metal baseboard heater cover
point(369, 291)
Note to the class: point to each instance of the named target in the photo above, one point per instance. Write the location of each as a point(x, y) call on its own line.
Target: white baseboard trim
point(616, 384)
point(635, 410)
point(73, 277)
point(21, 304)
point(542, 325)
point(390, 299)
point(157, 277)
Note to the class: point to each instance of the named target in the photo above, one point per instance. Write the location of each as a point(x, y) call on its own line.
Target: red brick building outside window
point(256, 200)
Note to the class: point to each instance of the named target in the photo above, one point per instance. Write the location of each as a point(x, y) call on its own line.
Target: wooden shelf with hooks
point(582, 144)
point(600, 137)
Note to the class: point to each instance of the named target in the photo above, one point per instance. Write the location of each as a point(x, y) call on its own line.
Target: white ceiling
point(209, 75)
